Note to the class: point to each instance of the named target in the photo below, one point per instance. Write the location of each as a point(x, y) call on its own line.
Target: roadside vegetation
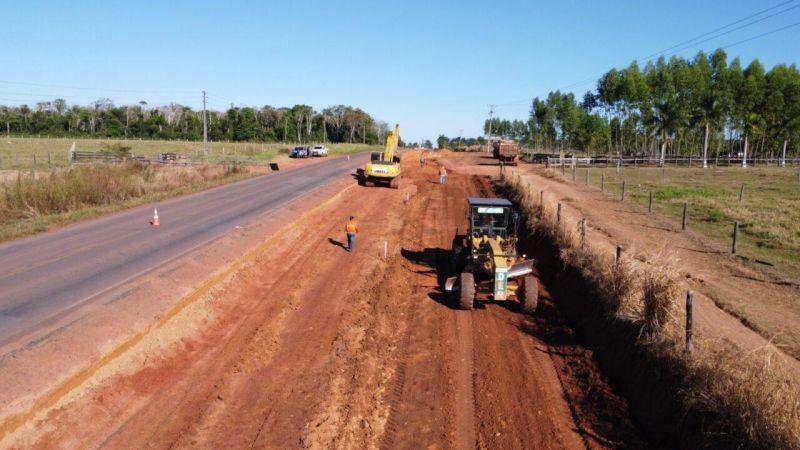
point(17, 153)
point(768, 213)
point(675, 106)
point(37, 201)
point(718, 396)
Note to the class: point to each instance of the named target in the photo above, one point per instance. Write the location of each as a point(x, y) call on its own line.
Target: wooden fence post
point(583, 233)
point(574, 169)
point(741, 193)
point(685, 210)
point(49, 159)
point(602, 181)
point(735, 236)
point(618, 254)
point(622, 196)
point(650, 202)
point(558, 213)
point(689, 297)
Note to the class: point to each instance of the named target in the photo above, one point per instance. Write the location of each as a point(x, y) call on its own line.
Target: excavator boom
point(391, 144)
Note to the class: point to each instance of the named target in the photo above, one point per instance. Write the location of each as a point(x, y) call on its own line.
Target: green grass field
point(768, 216)
point(21, 153)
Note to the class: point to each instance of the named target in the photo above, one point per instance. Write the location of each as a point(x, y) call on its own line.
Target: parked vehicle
point(506, 151)
point(300, 152)
point(319, 150)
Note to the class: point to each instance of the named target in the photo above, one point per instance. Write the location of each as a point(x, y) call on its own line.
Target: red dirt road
point(313, 347)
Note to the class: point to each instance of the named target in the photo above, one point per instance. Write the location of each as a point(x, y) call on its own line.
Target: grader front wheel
point(467, 294)
point(529, 294)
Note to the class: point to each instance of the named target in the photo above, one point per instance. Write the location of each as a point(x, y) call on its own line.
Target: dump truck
point(487, 258)
point(507, 151)
point(383, 167)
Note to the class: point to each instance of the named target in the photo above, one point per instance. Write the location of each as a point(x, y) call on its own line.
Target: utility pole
point(489, 136)
point(205, 126)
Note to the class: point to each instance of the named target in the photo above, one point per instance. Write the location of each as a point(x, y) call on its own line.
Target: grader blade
point(520, 269)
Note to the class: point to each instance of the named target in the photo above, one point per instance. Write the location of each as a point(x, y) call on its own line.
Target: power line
point(723, 27)
point(658, 54)
point(728, 32)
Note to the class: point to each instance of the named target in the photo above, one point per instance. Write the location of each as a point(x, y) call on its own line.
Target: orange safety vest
point(351, 227)
point(442, 171)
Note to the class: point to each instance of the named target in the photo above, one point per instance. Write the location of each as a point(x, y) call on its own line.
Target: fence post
point(619, 163)
point(735, 236)
point(685, 210)
point(618, 254)
point(650, 202)
point(574, 169)
point(741, 193)
point(49, 159)
point(622, 196)
point(689, 297)
point(587, 175)
point(563, 167)
point(583, 233)
point(558, 213)
point(602, 181)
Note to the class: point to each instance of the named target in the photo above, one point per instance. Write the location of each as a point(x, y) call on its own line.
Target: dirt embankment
point(311, 346)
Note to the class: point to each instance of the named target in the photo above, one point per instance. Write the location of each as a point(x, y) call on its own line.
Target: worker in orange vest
point(442, 175)
point(351, 229)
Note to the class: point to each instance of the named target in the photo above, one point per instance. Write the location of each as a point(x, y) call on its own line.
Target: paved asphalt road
point(45, 275)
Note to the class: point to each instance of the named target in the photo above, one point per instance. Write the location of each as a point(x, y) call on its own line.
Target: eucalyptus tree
point(782, 105)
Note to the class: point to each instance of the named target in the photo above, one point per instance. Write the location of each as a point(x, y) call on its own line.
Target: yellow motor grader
point(490, 267)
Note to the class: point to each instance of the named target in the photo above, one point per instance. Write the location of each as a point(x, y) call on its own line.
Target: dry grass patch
point(726, 397)
point(35, 202)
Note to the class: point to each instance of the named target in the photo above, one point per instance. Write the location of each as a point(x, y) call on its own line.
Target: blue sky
point(433, 66)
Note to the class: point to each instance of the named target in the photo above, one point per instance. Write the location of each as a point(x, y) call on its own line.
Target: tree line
point(703, 106)
point(300, 123)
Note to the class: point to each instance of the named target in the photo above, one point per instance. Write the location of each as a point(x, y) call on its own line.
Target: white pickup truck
point(319, 150)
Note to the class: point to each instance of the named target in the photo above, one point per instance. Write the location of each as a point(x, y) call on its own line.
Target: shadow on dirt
point(439, 263)
point(337, 243)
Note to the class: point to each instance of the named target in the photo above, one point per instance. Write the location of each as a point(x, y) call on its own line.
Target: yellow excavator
point(383, 167)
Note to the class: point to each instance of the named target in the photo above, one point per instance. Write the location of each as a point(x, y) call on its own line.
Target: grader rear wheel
point(467, 294)
point(529, 294)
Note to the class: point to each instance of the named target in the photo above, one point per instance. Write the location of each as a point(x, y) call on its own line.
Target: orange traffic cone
point(155, 222)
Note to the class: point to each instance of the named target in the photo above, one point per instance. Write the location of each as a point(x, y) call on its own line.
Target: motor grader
point(487, 259)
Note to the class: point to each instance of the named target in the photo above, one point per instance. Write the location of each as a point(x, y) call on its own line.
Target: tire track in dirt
point(313, 347)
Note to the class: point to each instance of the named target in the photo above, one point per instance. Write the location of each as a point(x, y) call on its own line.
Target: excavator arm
point(391, 144)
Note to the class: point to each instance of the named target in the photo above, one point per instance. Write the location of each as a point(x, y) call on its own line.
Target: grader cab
point(487, 259)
